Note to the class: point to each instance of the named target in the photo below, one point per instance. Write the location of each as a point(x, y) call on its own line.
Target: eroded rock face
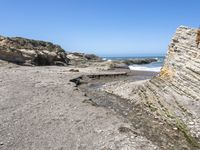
point(173, 95)
point(31, 52)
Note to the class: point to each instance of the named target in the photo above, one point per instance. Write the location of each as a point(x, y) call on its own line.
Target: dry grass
point(166, 73)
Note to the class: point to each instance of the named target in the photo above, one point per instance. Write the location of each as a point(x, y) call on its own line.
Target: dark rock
point(74, 70)
point(90, 101)
point(139, 61)
point(91, 57)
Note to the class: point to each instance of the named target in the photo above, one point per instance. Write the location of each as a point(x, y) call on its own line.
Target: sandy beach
point(41, 109)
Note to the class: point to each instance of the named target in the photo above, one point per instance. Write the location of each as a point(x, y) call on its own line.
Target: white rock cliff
point(173, 95)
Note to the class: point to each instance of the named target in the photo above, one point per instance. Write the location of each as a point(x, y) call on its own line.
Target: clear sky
point(103, 27)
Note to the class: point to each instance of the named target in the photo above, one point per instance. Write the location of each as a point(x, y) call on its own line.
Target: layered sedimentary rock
point(31, 52)
point(173, 95)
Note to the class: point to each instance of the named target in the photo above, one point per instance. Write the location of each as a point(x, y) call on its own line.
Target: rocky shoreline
point(24, 51)
point(89, 103)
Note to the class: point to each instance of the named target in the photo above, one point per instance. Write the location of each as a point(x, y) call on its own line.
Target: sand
point(41, 109)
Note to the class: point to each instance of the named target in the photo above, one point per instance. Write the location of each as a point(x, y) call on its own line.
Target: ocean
point(154, 66)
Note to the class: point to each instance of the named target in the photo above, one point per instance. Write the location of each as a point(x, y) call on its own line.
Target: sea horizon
point(153, 67)
point(130, 55)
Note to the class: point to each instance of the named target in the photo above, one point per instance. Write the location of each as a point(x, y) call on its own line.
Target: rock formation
point(124, 64)
point(173, 95)
point(82, 59)
point(139, 61)
point(31, 52)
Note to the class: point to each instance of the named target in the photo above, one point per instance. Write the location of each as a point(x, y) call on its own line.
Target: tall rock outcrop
point(173, 95)
point(31, 52)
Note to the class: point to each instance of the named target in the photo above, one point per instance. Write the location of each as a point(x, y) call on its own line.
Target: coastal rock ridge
point(31, 52)
point(174, 94)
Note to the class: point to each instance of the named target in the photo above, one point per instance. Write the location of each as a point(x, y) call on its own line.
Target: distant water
point(154, 66)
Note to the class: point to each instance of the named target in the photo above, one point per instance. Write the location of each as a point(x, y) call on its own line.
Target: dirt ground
point(41, 109)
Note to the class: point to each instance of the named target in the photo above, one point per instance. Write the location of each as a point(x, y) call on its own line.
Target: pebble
point(132, 137)
point(191, 123)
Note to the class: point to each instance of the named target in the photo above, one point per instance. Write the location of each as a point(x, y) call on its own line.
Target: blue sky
point(103, 27)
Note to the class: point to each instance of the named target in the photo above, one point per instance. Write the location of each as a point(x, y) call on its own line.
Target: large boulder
point(92, 57)
point(31, 52)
